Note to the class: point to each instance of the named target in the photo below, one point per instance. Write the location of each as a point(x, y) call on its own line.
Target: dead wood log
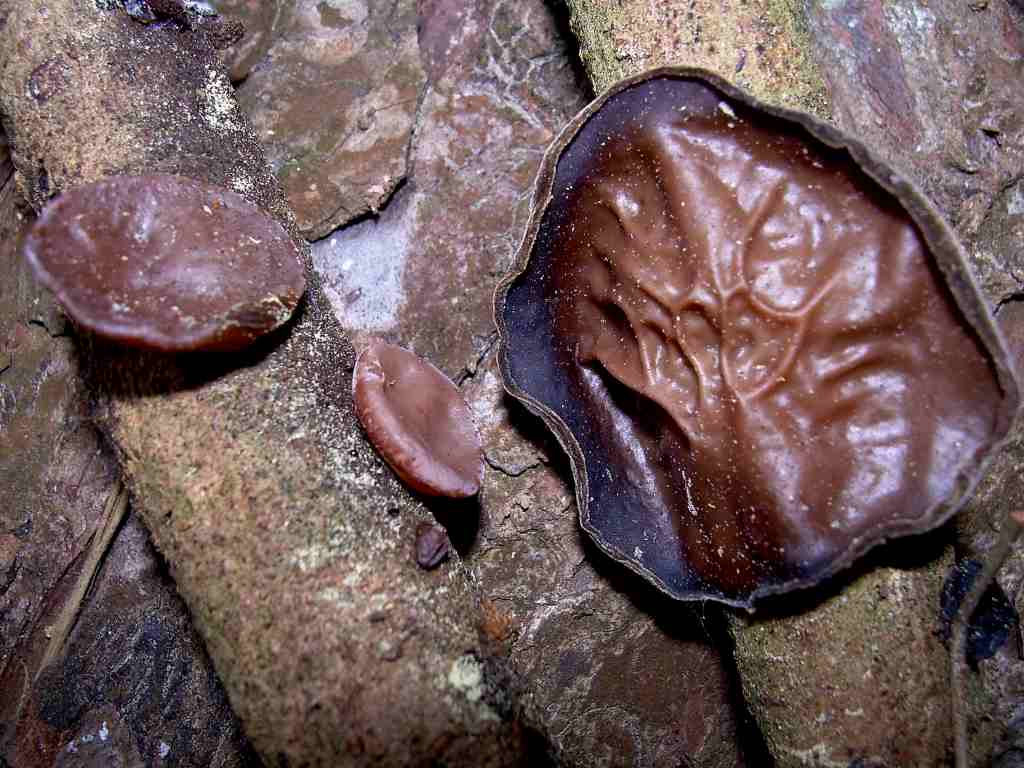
point(287, 537)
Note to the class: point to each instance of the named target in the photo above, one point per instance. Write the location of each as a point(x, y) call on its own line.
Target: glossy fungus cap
point(418, 420)
point(761, 347)
point(165, 262)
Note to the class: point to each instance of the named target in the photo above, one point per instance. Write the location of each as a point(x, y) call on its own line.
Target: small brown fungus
point(761, 347)
point(418, 420)
point(432, 545)
point(165, 262)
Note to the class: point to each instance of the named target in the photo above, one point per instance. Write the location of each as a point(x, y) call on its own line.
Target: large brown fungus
point(166, 262)
point(761, 347)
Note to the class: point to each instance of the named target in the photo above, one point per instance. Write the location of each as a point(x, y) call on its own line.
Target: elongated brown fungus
point(165, 262)
point(418, 420)
point(761, 348)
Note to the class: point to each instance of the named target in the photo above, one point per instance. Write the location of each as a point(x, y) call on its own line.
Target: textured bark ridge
point(500, 84)
point(874, 68)
point(334, 102)
point(263, 23)
point(288, 538)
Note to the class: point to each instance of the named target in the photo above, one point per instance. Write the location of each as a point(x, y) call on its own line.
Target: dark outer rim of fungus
point(944, 249)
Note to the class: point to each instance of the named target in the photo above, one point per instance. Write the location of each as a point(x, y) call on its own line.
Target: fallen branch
point(250, 471)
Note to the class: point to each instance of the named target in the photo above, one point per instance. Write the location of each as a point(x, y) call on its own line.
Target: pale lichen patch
point(219, 107)
point(467, 675)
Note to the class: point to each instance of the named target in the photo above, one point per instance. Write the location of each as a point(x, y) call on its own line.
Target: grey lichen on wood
point(286, 535)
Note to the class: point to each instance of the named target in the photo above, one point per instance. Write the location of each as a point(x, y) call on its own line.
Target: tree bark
point(286, 535)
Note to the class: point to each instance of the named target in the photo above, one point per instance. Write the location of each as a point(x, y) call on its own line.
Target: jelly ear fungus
point(761, 347)
point(165, 262)
point(418, 421)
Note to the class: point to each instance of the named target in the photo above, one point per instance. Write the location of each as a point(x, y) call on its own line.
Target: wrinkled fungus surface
point(166, 262)
point(761, 348)
point(418, 421)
